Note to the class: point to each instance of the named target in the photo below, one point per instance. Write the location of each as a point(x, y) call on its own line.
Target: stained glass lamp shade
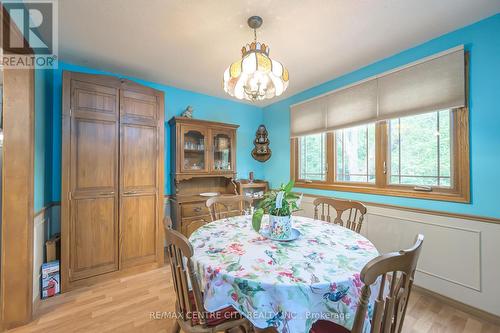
point(255, 76)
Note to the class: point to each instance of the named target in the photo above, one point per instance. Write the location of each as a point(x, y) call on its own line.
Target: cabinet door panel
point(138, 229)
point(94, 155)
point(95, 101)
point(93, 237)
point(93, 175)
point(194, 149)
point(139, 178)
point(191, 225)
point(139, 157)
point(136, 104)
point(222, 151)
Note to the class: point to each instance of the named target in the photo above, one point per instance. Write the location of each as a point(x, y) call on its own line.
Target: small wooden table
point(247, 188)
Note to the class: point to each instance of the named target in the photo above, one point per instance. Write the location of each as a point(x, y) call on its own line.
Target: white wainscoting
point(460, 258)
point(39, 231)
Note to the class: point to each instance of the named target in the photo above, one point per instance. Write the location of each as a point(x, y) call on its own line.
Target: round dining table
point(286, 285)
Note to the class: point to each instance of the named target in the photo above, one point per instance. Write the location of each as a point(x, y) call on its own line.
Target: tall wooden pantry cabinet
point(112, 178)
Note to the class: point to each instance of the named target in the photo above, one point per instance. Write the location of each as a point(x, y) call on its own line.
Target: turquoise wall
point(482, 39)
point(43, 142)
point(205, 107)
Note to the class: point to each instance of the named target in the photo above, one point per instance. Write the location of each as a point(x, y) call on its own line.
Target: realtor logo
point(29, 34)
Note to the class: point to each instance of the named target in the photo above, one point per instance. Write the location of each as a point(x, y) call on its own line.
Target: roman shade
point(431, 84)
point(355, 104)
point(308, 118)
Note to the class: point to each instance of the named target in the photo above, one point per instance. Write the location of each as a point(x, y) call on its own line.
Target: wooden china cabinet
point(203, 161)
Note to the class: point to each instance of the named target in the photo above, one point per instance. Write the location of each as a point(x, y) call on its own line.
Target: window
point(403, 133)
point(420, 156)
point(312, 156)
point(355, 154)
point(420, 150)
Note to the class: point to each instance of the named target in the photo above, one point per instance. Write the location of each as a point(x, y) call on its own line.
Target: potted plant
point(279, 205)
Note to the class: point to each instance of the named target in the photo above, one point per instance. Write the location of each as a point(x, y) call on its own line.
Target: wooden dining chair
point(226, 206)
point(396, 269)
point(189, 301)
point(325, 207)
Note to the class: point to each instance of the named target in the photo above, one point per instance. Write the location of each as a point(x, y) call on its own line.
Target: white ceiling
point(189, 43)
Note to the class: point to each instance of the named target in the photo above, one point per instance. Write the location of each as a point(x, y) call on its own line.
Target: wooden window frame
point(328, 167)
point(459, 192)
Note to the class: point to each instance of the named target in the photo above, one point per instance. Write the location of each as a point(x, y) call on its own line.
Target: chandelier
point(255, 76)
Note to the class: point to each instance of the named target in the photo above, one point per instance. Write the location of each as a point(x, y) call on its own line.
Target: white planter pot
point(280, 226)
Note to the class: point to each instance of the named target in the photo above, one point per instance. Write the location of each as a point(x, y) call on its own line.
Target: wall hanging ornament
point(261, 152)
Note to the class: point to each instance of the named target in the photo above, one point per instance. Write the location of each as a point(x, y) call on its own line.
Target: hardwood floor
point(128, 305)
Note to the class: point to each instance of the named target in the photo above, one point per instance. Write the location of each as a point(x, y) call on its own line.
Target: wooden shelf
point(194, 151)
point(244, 185)
point(254, 185)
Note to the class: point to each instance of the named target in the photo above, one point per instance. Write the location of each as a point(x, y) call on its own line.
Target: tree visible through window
point(418, 156)
point(420, 149)
point(355, 154)
point(312, 155)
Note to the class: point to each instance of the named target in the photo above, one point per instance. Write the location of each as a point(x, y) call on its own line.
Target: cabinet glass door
point(222, 151)
point(194, 150)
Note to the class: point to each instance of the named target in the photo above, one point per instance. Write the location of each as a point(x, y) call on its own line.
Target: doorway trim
point(16, 275)
point(17, 199)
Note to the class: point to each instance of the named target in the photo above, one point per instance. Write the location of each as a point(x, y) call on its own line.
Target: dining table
point(285, 285)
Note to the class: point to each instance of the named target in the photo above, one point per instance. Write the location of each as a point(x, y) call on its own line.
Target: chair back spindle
point(180, 252)
point(398, 269)
point(226, 206)
point(355, 212)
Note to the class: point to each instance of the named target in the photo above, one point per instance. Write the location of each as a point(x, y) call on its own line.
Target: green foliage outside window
point(419, 152)
point(312, 157)
point(420, 149)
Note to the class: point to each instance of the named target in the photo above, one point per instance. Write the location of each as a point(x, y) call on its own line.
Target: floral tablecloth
point(288, 285)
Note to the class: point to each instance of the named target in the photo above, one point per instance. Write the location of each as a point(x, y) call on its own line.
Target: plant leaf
point(289, 186)
point(257, 219)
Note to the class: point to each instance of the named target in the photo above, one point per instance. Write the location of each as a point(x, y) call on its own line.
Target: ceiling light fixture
point(255, 76)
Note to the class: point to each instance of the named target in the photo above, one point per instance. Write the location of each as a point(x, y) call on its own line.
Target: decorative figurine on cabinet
point(188, 113)
point(261, 152)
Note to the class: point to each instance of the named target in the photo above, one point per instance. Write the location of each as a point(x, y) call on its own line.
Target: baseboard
point(460, 306)
point(86, 282)
point(37, 302)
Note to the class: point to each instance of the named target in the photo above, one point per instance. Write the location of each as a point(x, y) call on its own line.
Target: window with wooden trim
point(355, 154)
point(420, 150)
point(403, 133)
point(312, 152)
point(421, 156)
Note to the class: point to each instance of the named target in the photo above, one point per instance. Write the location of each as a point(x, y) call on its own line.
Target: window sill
point(397, 191)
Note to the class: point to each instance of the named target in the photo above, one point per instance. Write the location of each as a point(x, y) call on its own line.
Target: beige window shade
point(352, 105)
point(431, 85)
point(308, 118)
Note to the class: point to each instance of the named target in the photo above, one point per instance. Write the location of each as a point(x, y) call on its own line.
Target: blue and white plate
point(267, 233)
